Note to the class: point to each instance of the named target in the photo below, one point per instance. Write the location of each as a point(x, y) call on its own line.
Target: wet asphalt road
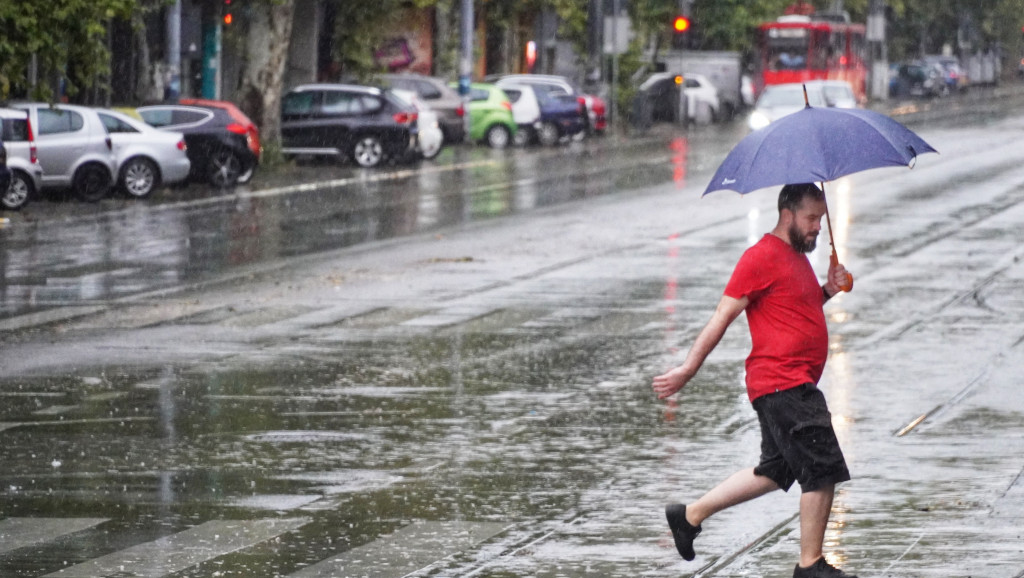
point(463, 389)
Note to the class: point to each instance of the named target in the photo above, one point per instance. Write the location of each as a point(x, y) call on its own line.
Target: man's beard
point(799, 241)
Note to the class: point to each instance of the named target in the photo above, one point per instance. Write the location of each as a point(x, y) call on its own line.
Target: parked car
point(919, 79)
point(22, 160)
point(363, 123)
point(597, 121)
point(222, 143)
point(954, 76)
point(490, 116)
point(525, 112)
point(429, 134)
point(778, 100)
point(546, 117)
point(441, 99)
point(146, 157)
point(73, 148)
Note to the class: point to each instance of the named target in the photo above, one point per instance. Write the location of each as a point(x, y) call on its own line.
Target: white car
point(73, 149)
point(525, 111)
point(146, 156)
point(430, 135)
point(778, 100)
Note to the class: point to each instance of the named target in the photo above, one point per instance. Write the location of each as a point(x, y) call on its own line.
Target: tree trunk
point(267, 44)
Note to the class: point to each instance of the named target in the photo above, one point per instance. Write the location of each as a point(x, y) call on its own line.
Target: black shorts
point(797, 440)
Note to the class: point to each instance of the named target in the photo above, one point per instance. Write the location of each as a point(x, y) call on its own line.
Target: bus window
point(786, 48)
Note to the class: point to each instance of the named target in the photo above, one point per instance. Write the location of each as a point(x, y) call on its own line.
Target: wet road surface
point(475, 400)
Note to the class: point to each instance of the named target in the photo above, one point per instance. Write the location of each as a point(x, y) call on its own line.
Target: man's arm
point(727, 311)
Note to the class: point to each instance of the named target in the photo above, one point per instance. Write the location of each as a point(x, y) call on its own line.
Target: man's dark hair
point(791, 196)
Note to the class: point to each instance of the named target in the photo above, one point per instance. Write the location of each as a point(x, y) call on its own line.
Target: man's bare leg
point(740, 487)
point(815, 508)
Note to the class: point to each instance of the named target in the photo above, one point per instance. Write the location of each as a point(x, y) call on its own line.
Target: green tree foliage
point(67, 37)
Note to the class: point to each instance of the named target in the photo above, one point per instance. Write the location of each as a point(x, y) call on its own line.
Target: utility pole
point(466, 58)
point(878, 53)
point(173, 51)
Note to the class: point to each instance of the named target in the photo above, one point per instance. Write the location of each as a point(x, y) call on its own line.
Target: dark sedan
point(223, 144)
point(365, 124)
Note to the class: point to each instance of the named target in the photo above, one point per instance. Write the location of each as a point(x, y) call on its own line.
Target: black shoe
point(821, 569)
point(682, 531)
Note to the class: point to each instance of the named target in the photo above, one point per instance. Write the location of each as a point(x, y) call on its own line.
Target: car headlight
point(758, 120)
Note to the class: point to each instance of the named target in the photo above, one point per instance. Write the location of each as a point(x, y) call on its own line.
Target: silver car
point(27, 175)
point(74, 149)
point(146, 156)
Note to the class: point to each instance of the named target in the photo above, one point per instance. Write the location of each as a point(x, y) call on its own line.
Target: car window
point(114, 124)
point(58, 121)
point(298, 103)
point(14, 129)
point(183, 116)
point(427, 90)
point(478, 94)
point(513, 94)
point(336, 102)
point(369, 104)
point(692, 83)
point(156, 117)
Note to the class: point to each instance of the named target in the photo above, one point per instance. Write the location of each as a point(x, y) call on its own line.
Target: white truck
point(722, 68)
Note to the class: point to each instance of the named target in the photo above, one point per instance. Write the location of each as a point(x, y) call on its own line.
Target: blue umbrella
point(817, 145)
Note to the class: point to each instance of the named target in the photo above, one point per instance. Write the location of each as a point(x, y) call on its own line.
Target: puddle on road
point(495, 419)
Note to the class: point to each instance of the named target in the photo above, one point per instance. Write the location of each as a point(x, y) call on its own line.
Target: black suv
point(365, 124)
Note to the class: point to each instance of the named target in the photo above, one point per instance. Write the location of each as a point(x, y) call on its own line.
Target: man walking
point(776, 286)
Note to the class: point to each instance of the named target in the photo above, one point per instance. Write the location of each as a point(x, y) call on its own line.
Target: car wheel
point(548, 134)
point(246, 175)
point(224, 168)
point(19, 193)
point(368, 151)
point(498, 136)
point(91, 183)
point(139, 177)
point(522, 137)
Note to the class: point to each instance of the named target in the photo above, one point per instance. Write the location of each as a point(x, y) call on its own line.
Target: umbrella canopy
point(816, 145)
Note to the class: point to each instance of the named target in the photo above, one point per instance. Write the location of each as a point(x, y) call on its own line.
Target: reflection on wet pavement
point(479, 405)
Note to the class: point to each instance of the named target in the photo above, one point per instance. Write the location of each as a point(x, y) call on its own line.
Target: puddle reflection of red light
point(680, 147)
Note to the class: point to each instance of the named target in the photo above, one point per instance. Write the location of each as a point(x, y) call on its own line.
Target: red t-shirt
point(787, 323)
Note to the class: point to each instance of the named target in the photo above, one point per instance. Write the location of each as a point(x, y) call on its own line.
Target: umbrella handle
point(847, 285)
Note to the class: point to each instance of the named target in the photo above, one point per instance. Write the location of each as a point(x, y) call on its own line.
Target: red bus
point(798, 48)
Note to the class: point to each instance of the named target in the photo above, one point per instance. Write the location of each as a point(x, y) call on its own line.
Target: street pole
point(878, 54)
point(466, 59)
point(173, 47)
point(614, 116)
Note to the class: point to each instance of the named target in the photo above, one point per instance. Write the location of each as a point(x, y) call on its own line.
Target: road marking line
point(411, 548)
point(62, 422)
point(18, 533)
point(183, 550)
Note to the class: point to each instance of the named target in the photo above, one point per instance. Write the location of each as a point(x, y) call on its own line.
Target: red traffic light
point(681, 24)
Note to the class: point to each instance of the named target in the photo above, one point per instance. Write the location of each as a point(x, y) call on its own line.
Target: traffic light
point(229, 17)
point(680, 32)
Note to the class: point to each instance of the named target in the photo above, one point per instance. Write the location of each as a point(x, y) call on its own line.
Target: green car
point(490, 115)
